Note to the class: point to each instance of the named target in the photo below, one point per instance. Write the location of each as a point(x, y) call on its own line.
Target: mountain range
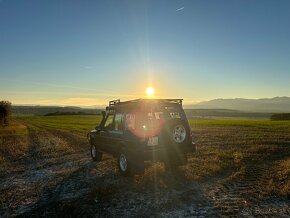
point(269, 105)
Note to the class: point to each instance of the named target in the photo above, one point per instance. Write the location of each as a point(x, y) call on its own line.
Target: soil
point(57, 178)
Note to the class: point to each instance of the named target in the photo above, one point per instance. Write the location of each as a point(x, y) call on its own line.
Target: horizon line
point(104, 105)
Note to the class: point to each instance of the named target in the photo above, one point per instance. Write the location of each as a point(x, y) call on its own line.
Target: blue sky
point(86, 52)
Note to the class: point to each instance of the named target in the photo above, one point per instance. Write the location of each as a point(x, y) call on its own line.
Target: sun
point(149, 91)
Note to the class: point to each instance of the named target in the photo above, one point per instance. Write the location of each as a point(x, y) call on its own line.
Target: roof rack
point(115, 103)
point(165, 100)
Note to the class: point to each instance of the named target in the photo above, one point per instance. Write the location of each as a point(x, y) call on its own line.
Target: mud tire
point(96, 154)
point(124, 164)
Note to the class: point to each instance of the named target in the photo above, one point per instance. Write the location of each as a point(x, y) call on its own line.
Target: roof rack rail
point(167, 100)
point(114, 102)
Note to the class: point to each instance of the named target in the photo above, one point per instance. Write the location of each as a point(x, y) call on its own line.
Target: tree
point(5, 112)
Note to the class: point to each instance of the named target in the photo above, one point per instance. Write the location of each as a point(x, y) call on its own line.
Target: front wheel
point(123, 163)
point(95, 153)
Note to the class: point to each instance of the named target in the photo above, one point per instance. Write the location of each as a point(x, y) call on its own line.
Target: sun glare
point(150, 91)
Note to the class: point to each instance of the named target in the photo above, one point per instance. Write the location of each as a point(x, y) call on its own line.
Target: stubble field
point(241, 168)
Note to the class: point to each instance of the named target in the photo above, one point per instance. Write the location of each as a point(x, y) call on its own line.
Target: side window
point(119, 122)
point(130, 122)
point(109, 122)
point(175, 115)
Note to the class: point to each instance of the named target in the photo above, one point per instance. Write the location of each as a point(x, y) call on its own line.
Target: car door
point(104, 136)
point(116, 134)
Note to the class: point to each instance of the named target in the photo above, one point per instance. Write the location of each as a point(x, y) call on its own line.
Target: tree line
point(281, 116)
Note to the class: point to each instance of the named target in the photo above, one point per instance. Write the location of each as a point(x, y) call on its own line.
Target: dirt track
point(57, 178)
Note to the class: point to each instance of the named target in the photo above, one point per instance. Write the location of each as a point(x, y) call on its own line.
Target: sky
point(87, 52)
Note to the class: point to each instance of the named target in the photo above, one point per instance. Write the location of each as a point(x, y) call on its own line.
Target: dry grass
point(13, 144)
point(280, 181)
point(222, 146)
point(60, 173)
point(220, 149)
point(11, 149)
point(14, 129)
point(47, 145)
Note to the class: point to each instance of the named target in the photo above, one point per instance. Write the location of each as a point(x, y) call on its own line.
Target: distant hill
point(238, 107)
point(269, 105)
point(43, 110)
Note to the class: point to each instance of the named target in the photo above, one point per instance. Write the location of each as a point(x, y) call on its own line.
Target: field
point(241, 168)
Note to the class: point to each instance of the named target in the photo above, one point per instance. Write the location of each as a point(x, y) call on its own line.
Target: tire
point(95, 153)
point(124, 163)
point(176, 135)
point(178, 132)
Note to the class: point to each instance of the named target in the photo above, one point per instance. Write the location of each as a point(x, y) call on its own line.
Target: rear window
point(163, 115)
point(152, 119)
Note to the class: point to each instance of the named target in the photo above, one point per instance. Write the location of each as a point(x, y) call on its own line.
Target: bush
point(282, 116)
point(5, 112)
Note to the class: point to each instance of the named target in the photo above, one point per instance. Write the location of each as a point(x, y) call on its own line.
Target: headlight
point(152, 141)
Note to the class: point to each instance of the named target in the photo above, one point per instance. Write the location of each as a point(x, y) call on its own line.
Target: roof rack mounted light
point(111, 108)
point(114, 102)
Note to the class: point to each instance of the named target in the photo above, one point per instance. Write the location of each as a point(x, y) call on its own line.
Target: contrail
point(179, 9)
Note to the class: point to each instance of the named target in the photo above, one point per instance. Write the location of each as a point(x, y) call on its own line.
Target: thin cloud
point(82, 102)
point(94, 92)
point(180, 9)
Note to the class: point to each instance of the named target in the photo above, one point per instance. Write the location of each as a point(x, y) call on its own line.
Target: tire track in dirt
point(245, 193)
point(241, 194)
point(43, 172)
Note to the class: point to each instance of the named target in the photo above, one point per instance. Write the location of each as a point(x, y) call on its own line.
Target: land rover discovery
point(140, 130)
